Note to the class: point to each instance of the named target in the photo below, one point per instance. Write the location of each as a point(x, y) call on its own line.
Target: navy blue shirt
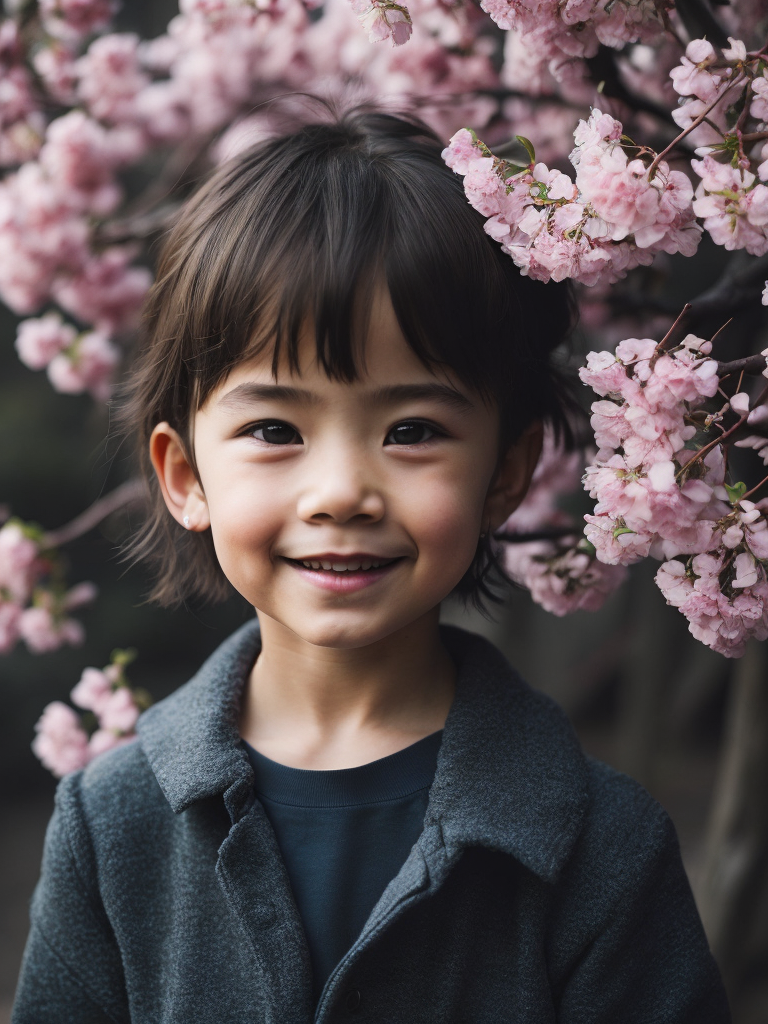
point(344, 835)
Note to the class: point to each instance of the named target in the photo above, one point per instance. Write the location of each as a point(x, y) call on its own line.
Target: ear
point(182, 491)
point(513, 477)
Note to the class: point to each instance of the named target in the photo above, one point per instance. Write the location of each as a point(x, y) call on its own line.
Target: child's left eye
point(275, 432)
point(415, 432)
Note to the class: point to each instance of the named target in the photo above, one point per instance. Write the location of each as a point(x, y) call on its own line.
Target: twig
point(719, 440)
point(755, 488)
point(691, 127)
point(752, 365)
point(130, 493)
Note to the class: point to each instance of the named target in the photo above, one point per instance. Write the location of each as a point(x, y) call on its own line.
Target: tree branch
point(752, 365)
point(130, 493)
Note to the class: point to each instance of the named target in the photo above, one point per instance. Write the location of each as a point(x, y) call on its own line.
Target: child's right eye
point(275, 432)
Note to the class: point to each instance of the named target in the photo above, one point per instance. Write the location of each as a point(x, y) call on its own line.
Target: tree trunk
point(733, 886)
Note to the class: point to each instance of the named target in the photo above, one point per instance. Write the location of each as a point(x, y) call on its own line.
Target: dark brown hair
point(297, 230)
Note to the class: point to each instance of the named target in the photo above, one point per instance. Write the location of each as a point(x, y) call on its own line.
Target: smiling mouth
point(341, 567)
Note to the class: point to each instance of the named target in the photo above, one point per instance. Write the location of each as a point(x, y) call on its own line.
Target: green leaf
point(123, 657)
point(528, 146)
point(736, 492)
point(621, 530)
point(510, 170)
point(586, 546)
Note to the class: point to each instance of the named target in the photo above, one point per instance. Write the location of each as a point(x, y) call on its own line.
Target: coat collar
point(510, 773)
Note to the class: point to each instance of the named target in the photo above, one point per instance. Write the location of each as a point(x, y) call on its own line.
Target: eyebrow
point(393, 394)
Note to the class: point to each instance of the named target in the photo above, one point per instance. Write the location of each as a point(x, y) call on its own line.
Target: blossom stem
point(660, 347)
point(129, 493)
point(755, 488)
point(753, 365)
point(723, 437)
point(691, 127)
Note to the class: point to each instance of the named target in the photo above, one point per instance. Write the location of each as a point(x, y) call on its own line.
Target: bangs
point(298, 232)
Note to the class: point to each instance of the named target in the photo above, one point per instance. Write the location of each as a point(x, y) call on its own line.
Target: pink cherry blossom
point(43, 631)
point(722, 620)
point(696, 75)
point(61, 742)
point(107, 292)
point(111, 78)
point(732, 205)
point(384, 19)
point(76, 18)
point(563, 582)
point(88, 366)
point(55, 63)
point(119, 711)
point(94, 689)
point(41, 229)
point(20, 563)
point(39, 340)
point(21, 121)
point(80, 158)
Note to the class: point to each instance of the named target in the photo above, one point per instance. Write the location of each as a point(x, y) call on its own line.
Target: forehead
point(383, 358)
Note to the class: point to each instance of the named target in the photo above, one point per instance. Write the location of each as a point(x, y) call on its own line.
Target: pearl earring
point(186, 522)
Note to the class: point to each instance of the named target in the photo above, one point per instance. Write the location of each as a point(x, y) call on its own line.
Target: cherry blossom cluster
point(34, 604)
point(660, 484)
point(563, 575)
point(732, 196)
point(554, 37)
point(67, 740)
point(22, 124)
point(617, 214)
point(75, 362)
point(48, 251)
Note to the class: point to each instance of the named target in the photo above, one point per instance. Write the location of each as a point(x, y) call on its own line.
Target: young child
point(351, 813)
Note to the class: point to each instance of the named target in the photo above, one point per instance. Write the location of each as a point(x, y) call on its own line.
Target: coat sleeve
point(636, 951)
point(71, 971)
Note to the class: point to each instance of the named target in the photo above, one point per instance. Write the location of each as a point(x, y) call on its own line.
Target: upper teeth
point(345, 566)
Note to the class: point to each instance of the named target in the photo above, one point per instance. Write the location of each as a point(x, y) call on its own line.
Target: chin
point(344, 635)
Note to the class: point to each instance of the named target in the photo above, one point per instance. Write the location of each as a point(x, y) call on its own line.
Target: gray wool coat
point(545, 887)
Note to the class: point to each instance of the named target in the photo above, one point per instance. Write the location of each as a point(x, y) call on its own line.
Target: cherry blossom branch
point(723, 437)
point(755, 488)
point(129, 493)
point(752, 365)
point(691, 127)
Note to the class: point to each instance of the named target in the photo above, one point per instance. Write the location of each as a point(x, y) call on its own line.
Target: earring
point(186, 522)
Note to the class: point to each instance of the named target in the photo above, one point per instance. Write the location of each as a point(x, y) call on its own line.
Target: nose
point(341, 488)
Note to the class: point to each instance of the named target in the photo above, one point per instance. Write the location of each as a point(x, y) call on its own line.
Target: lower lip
point(344, 582)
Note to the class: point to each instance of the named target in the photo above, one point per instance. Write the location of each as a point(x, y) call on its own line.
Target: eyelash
point(264, 424)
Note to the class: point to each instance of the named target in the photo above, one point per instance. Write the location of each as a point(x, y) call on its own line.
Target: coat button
point(352, 1000)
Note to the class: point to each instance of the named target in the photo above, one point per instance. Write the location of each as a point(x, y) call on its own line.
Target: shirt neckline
point(389, 778)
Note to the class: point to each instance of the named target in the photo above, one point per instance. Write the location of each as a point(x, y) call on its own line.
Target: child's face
point(397, 468)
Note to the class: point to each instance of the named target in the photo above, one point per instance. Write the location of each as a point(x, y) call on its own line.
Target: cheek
point(445, 517)
point(244, 519)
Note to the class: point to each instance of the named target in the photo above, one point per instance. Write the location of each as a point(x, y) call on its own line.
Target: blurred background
point(643, 695)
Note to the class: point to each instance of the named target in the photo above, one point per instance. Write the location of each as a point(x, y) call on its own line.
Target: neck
point(324, 708)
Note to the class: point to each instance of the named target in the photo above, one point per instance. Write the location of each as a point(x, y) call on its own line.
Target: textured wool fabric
point(545, 887)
